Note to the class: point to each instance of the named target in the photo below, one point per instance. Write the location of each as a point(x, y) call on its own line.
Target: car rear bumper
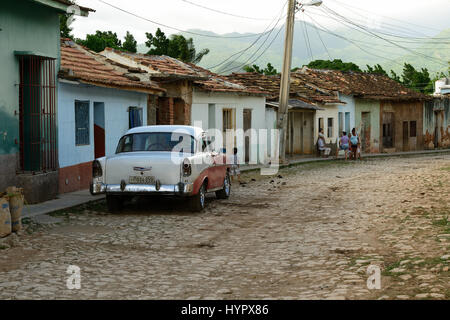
point(180, 189)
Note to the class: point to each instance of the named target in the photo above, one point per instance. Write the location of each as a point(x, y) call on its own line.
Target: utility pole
point(282, 122)
point(285, 81)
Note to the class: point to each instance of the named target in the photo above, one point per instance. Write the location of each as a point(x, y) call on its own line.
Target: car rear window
point(157, 142)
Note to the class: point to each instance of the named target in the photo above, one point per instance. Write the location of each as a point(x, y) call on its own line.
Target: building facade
point(29, 52)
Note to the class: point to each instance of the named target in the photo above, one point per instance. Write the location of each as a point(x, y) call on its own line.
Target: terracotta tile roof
point(161, 66)
point(80, 64)
point(218, 83)
point(298, 89)
point(358, 84)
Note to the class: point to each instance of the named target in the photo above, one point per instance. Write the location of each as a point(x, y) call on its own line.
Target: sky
point(425, 17)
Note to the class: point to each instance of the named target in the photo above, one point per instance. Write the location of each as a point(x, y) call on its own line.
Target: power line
point(324, 29)
point(223, 12)
point(262, 53)
point(308, 44)
point(373, 13)
point(242, 52)
point(378, 36)
point(321, 40)
point(177, 29)
point(429, 41)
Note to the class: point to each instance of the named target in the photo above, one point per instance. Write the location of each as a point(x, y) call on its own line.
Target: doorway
point(247, 133)
point(388, 129)
point(99, 129)
point(365, 132)
point(405, 136)
point(438, 127)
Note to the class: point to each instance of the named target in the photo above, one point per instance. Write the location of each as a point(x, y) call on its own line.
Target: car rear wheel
point(114, 203)
point(225, 192)
point(197, 202)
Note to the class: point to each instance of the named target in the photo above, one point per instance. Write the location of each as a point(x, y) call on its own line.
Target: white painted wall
point(330, 111)
point(116, 119)
point(201, 107)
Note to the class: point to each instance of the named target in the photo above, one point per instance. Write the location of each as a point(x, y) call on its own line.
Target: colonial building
point(199, 97)
point(387, 116)
point(98, 103)
point(310, 108)
point(29, 51)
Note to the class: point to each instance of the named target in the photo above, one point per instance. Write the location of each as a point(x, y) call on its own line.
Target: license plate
point(141, 180)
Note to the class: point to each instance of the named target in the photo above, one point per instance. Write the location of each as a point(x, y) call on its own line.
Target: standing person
point(235, 171)
point(354, 140)
point(344, 143)
point(321, 144)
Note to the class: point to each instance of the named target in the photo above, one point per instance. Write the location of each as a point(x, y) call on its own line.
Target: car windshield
point(157, 141)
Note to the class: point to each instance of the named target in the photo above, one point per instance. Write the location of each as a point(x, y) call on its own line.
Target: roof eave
point(84, 12)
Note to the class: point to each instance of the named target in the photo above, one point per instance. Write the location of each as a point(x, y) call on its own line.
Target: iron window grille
point(37, 114)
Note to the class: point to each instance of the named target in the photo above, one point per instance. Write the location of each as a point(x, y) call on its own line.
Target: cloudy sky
point(412, 16)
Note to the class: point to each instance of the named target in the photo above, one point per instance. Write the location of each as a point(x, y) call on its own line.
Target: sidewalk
point(68, 200)
point(306, 159)
point(64, 201)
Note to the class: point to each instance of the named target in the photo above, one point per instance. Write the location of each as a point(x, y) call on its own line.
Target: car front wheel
point(114, 203)
point(225, 192)
point(197, 202)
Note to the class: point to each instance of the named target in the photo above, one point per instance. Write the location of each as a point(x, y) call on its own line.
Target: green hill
point(359, 48)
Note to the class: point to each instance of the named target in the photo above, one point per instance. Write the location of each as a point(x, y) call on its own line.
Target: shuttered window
point(134, 117)
point(82, 123)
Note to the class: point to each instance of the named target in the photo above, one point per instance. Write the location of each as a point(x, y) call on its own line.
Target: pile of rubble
point(11, 205)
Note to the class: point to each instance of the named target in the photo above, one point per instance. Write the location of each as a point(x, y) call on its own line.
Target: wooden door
point(308, 133)
point(297, 132)
point(405, 136)
point(365, 132)
point(247, 126)
point(388, 129)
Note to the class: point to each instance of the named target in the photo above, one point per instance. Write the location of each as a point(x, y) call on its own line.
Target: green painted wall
point(373, 107)
point(25, 26)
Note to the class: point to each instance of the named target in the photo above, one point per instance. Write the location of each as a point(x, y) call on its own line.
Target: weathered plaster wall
point(440, 106)
point(25, 26)
point(372, 106)
point(406, 111)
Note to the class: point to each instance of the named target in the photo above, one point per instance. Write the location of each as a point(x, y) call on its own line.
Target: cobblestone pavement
point(309, 233)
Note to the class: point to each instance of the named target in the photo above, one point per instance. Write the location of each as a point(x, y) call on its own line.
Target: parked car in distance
point(174, 161)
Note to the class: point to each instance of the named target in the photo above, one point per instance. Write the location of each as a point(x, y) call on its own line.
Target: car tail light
point(96, 169)
point(187, 168)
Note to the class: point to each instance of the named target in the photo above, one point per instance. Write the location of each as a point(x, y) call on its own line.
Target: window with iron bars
point(37, 114)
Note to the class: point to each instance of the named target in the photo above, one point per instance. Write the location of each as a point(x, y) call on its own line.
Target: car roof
point(191, 130)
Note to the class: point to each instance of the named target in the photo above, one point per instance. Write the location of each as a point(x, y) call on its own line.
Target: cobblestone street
point(309, 233)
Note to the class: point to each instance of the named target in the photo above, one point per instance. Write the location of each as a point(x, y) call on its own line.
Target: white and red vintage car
point(162, 160)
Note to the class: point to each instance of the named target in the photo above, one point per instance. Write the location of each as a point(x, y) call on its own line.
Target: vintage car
point(176, 161)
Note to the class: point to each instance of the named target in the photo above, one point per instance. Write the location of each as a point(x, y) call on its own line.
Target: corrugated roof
point(358, 84)
point(80, 64)
point(298, 89)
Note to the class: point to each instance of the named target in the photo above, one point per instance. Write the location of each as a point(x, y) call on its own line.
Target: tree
point(376, 69)
point(130, 44)
point(417, 80)
point(64, 27)
point(100, 40)
point(177, 46)
point(336, 64)
point(268, 71)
